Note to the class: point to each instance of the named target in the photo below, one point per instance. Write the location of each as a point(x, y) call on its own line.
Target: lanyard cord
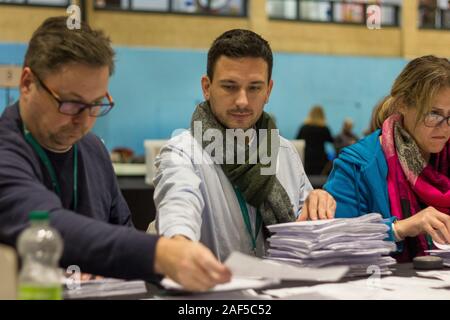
point(51, 171)
point(245, 215)
point(429, 242)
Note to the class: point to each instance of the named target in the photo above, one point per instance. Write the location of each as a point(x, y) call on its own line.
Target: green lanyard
point(51, 171)
point(430, 242)
point(244, 211)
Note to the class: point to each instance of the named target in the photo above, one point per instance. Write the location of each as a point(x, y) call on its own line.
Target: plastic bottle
point(40, 248)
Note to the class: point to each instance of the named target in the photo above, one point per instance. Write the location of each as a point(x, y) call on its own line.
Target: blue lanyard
point(245, 215)
point(51, 171)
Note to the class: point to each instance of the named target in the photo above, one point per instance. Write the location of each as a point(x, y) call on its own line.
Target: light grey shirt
point(194, 198)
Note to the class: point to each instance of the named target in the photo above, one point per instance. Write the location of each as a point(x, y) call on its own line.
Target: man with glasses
point(50, 161)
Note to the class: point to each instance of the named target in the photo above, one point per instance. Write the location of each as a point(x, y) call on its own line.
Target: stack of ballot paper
point(354, 242)
point(103, 288)
point(443, 251)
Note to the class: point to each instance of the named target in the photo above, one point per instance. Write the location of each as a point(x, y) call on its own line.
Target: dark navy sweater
point(99, 237)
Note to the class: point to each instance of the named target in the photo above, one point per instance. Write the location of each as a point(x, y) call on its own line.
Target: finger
point(304, 214)
point(331, 207)
point(440, 215)
point(194, 281)
point(322, 205)
point(85, 277)
point(193, 277)
point(447, 225)
point(436, 237)
point(442, 228)
point(312, 206)
point(216, 271)
point(203, 277)
point(445, 219)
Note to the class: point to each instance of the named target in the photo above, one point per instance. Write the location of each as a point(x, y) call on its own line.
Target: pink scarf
point(412, 182)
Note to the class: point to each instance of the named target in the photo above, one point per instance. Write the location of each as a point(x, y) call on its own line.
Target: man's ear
point(26, 80)
point(206, 85)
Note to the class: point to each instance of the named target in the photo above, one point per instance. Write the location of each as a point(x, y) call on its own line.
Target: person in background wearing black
point(315, 133)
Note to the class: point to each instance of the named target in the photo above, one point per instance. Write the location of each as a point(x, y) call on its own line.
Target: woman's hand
point(430, 221)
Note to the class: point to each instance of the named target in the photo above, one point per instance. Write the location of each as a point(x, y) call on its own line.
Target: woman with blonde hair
point(315, 133)
point(402, 169)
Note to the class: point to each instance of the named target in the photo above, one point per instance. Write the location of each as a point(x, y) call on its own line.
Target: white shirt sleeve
point(178, 199)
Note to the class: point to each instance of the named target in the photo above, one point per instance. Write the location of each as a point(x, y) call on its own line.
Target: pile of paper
point(354, 242)
point(107, 287)
point(443, 251)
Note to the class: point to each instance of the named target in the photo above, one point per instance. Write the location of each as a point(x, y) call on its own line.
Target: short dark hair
point(239, 43)
point(53, 45)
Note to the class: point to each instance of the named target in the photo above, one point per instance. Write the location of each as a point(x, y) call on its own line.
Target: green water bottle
point(40, 248)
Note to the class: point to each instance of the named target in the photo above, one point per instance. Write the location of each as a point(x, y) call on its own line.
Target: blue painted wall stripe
point(156, 90)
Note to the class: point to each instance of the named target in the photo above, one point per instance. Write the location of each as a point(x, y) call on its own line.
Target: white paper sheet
point(236, 283)
point(389, 288)
point(443, 275)
point(242, 265)
point(445, 247)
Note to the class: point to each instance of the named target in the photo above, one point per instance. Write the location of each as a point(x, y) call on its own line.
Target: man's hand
point(189, 263)
point(319, 205)
point(88, 277)
point(428, 220)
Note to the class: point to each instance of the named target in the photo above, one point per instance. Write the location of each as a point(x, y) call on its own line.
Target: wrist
point(398, 229)
point(165, 252)
point(161, 247)
point(180, 237)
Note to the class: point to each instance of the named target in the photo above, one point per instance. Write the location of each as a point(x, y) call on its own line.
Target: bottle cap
point(38, 215)
point(428, 262)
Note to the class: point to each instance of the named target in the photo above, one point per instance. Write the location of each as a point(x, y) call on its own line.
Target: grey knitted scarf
point(259, 190)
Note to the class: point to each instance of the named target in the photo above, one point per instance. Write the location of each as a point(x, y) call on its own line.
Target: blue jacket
point(358, 181)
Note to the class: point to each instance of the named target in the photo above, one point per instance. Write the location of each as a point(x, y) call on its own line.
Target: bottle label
point(33, 292)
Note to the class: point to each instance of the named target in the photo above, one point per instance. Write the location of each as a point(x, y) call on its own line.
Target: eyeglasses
point(433, 119)
point(73, 108)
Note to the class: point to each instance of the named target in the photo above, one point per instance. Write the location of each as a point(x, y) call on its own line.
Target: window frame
point(38, 5)
point(171, 11)
point(298, 18)
point(441, 17)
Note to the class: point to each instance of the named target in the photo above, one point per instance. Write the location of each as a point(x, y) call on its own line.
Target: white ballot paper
point(388, 288)
point(107, 287)
point(355, 242)
point(443, 251)
point(242, 265)
point(236, 283)
point(445, 247)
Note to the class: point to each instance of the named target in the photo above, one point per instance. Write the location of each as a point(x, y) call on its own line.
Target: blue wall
point(10, 53)
point(156, 90)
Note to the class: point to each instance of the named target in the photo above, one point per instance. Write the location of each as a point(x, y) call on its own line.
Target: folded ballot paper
point(443, 251)
point(354, 242)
